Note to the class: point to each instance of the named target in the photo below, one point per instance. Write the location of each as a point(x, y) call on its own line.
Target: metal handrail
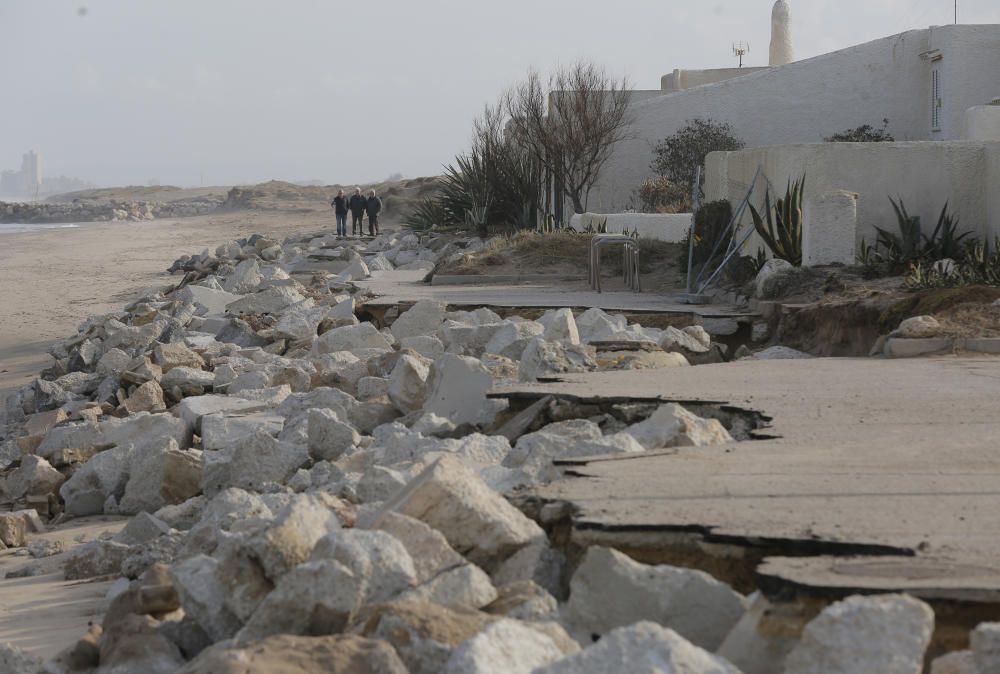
point(630, 260)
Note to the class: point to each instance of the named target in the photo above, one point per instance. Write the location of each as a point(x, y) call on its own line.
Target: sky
point(222, 92)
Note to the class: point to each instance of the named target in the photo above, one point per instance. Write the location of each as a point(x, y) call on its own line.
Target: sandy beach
point(50, 281)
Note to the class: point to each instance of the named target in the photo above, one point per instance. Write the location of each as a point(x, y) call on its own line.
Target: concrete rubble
point(309, 490)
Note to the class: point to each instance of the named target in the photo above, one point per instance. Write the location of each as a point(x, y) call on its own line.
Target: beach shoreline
point(51, 280)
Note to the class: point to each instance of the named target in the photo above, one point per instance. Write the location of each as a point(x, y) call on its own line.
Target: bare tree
point(572, 124)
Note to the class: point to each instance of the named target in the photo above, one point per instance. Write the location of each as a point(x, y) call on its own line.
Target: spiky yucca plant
point(781, 226)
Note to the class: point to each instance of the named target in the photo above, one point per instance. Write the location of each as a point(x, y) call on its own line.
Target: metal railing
point(630, 260)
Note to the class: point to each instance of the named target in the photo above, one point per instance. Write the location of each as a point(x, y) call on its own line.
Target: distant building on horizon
point(24, 183)
point(30, 182)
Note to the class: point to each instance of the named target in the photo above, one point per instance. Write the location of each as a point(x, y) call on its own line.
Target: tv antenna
point(741, 49)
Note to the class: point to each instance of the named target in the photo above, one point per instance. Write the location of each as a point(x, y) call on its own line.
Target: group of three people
point(357, 206)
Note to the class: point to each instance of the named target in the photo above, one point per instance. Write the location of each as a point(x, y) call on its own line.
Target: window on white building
point(936, 99)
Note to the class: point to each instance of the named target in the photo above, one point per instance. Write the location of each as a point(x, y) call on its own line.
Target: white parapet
point(982, 123)
point(830, 229)
point(669, 227)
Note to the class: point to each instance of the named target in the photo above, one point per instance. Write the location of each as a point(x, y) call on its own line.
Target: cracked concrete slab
point(872, 456)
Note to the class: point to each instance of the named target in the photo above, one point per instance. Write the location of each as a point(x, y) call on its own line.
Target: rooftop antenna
point(741, 49)
point(956, 12)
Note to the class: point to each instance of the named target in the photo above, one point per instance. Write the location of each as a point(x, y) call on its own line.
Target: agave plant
point(427, 214)
point(945, 242)
point(781, 226)
point(907, 245)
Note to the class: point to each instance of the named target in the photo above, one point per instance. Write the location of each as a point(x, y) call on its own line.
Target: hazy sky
point(234, 91)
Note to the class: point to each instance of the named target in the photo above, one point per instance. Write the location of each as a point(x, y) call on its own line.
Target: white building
point(934, 84)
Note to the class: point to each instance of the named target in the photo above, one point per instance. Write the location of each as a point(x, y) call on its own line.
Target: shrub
point(678, 156)
point(782, 232)
point(662, 195)
point(864, 134)
point(979, 266)
point(710, 224)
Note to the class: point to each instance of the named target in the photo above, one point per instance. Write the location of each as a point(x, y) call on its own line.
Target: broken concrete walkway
point(872, 457)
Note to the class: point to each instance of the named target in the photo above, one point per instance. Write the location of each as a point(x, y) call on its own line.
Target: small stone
point(97, 558)
point(13, 532)
point(203, 596)
point(146, 398)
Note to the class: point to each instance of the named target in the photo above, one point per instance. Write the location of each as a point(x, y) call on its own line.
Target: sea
point(21, 228)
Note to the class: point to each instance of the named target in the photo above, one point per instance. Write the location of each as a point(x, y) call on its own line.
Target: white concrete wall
point(807, 101)
point(924, 174)
point(679, 80)
point(669, 227)
point(982, 123)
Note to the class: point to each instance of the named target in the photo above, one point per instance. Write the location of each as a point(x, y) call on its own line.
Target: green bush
point(679, 156)
point(864, 134)
point(709, 226)
point(979, 266)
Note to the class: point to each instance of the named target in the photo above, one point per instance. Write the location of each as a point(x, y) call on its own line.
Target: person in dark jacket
point(373, 207)
point(339, 205)
point(358, 205)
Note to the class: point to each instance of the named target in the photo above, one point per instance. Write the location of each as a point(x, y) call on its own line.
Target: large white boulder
point(408, 383)
point(161, 476)
point(457, 387)
point(643, 648)
point(475, 520)
point(422, 319)
point(245, 278)
point(428, 547)
point(534, 452)
point(673, 426)
point(329, 437)
point(508, 646)
point(595, 325)
point(351, 338)
point(771, 269)
point(542, 358)
point(985, 644)
point(314, 597)
point(511, 339)
point(611, 590)
point(560, 326)
point(887, 634)
point(204, 597)
point(377, 558)
point(252, 464)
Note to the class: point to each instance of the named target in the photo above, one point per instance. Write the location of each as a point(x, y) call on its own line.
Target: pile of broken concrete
point(307, 492)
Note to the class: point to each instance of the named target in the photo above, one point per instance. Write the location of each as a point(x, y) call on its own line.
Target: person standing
point(373, 208)
point(358, 205)
point(339, 205)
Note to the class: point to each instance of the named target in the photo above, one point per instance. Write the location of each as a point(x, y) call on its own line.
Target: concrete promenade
point(886, 457)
